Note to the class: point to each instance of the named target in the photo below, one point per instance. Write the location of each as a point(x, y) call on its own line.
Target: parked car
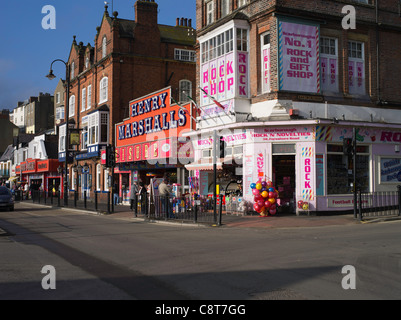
point(6, 199)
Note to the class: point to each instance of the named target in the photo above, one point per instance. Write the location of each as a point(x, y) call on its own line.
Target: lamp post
point(51, 76)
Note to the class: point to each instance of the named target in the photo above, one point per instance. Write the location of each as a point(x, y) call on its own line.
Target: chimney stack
point(146, 12)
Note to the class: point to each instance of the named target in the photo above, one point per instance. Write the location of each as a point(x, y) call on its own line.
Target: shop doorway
point(284, 182)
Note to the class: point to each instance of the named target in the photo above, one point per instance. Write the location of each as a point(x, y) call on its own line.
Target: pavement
point(277, 221)
point(254, 221)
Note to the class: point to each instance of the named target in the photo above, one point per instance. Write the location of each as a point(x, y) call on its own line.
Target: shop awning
point(204, 164)
point(13, 178)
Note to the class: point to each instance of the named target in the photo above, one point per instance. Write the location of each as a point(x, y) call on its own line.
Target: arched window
point(104, 47)
point(185, 90)
point(103, 93)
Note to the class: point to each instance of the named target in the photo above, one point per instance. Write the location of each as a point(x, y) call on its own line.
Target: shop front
point(40, 174)
point(305, 161)
point(149, 143)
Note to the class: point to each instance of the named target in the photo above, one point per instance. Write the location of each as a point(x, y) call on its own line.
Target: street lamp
point(51, 76)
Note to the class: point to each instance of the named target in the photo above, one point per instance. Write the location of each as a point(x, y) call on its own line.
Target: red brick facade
point(139, 59)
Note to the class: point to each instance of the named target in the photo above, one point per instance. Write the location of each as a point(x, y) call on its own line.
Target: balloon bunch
point(265, 200)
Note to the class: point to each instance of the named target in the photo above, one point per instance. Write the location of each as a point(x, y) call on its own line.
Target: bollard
point(96, 200)
point(399, 200)
point(58, 199)
point(108, 202)
point(75, 198)
point(85, 199)
point(360, 205)
point(165, 199)
point(195, 209)
point(221, 210)
point(136, 205)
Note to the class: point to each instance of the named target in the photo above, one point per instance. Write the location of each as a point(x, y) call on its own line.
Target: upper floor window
point(242, 39)
point(356, 68)
point(71, 107)
point(329, 64)
point(83, 102)
point(98, 128)
point(209, 12)
point(185, 90)
point(184, 55)
point(103, 93)
point(265, 54)
point(242, 3)
point(104, 47)
point(217, 46)
point(89, 100)
point(87, 62)
point(58, 97)
point(225, 8)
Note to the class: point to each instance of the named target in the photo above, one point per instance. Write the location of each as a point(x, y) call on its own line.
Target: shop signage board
point(363, 135)
point(151, 131)
point(283, 134)
point(299, 63)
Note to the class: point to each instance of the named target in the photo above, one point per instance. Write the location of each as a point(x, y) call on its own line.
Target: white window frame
point(71, 107)
point(209, 12)
point(89, 100)
point(95, 122)
point(103, 90)
point(106, 173)
point(225, 8)
point(61, 143)
point(58, 97)
point(357, 59)
point(242, 3)
point(83, 102)
point(329, 55)
point(98, 177)
point(184, 55)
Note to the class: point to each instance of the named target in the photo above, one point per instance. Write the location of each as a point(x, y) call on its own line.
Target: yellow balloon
point(264, 194)
point(259, 186)
point(272, 200)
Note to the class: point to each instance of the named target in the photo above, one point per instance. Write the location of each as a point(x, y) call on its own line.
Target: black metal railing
point(95, 201)
point(379, 204)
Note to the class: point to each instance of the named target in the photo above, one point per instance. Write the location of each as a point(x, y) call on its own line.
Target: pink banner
point(299, 57)
point(329, 74)
point(266, 70)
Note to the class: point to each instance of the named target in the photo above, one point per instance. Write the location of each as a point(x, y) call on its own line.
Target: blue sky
point(27, 50)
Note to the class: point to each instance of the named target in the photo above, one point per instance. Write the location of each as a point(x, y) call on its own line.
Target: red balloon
point(257, 207)
point(273, 207)
point(258, 197)
point(268, 204)
point(272, 212)
point(255, 192)
point(261, 203)
point(272, 195)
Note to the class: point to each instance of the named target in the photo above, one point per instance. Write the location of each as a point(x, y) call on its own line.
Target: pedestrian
point(116, 194)
point(143, 198)
point(134, 196)
point(164, 192)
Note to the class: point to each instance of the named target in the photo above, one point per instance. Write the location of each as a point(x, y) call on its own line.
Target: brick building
point(128, 59)
point(293, 84)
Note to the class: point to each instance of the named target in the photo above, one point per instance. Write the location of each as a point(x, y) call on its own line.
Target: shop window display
point(340, 172)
